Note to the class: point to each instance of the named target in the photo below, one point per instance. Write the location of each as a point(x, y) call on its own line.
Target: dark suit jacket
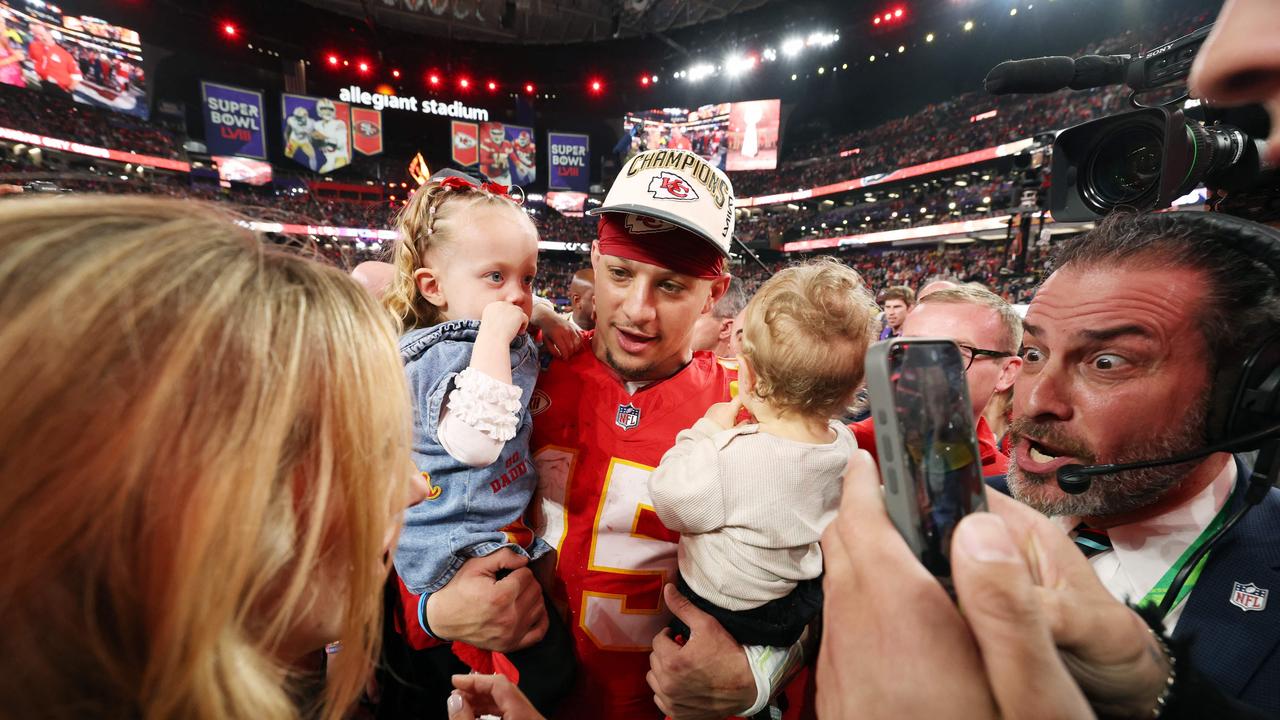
point(1238, 650)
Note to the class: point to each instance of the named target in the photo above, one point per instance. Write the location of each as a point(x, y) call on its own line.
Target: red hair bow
point(453, 182)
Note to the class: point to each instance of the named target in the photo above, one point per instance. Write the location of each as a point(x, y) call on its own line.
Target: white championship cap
point(678, 187)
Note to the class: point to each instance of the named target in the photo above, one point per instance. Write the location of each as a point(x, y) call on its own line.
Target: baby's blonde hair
point(194, 424)
point(805, 336)
point(436, 215)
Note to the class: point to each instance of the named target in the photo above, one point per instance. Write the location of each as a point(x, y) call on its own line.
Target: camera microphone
point(1093, 71)
point(1076, 479)
point(1055, 72)
point(1037, 75)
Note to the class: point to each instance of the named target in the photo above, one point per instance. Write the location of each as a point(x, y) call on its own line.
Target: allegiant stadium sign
point(356, 96)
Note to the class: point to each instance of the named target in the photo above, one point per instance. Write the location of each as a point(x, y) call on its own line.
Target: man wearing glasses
point(989, 333)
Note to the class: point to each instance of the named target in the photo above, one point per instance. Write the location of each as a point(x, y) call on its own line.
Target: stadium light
point(968, 25)
point(528, 88)
point(769, 54)
point(793, 76)
point(493, 86)
point(928, 38)
point(230, 29)
point(871, 58)
point(792, 46)
point(897, 13)
point(333, 60)
point(645, 81)
point(821, 70)
point(464, 83)
point(433, 80)
point(888, 17)
point(902, 48)
point(1013, 11)
point(877, 20)
point(596, 86)
point(699, 71)
point(364, 67)
point(735, 65)
point(395, 73)
point(654, 79)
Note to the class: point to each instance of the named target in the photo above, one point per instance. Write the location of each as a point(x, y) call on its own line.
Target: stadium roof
point(539, 21)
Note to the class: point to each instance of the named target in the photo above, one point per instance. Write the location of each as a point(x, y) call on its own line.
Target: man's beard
point(629, 374)
point(1113, 493)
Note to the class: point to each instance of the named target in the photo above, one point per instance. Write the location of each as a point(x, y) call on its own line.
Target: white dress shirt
point(1142, 552)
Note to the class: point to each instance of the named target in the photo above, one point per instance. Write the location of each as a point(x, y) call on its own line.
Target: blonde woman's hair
point(805, 336)
point(195, 423)
point(434, 217)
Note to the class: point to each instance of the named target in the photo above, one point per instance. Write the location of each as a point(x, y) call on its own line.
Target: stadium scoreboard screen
point(731, 136)
point(87, 58)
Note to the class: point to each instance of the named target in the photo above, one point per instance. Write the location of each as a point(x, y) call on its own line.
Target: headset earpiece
point(1246, 389)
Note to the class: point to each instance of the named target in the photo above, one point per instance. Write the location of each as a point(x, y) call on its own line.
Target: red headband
point(654, 242)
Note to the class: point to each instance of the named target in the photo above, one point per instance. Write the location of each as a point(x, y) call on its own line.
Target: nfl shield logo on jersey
point(1248, 596)
point(628, 416)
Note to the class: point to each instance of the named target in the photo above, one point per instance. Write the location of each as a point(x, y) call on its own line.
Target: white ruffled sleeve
point(479, 417)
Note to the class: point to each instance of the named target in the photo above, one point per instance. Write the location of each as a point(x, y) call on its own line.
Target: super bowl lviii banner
point(508, 154)
point(366, 130)
point(464, 137)
point(569, 161)
point(233, 121)
point(317, 132)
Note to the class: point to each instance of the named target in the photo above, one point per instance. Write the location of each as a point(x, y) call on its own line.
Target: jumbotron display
point(88, 58)
point(731, 136)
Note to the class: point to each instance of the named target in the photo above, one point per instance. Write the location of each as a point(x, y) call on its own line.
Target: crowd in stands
point(63, 118)
point(984, 263)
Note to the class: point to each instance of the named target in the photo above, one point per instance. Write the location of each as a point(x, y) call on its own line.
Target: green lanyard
point(1156, 595)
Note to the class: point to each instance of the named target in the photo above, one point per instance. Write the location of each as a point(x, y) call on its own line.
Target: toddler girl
point(463, 294)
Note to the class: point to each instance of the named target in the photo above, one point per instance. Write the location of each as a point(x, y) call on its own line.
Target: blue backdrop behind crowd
point(612, 303)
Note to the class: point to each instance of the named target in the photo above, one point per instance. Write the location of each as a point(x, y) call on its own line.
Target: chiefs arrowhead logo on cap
point(670, 186)
point(641, 224)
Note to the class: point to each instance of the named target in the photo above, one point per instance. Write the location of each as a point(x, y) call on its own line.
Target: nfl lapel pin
point(628, 416)
point(1248, 596)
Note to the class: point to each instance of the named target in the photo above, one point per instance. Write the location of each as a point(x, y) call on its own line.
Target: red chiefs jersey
point(594, 447)
point(524, 157)
point(494, 158)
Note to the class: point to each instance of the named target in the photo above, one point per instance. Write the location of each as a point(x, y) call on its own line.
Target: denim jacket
point(466, 509)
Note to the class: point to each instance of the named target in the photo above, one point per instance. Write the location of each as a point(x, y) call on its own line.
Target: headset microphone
point(1075, 479)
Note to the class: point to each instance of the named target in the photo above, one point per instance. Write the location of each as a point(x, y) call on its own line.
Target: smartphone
point(926, 442)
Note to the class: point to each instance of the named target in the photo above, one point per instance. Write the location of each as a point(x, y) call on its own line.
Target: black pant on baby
point(778, 623)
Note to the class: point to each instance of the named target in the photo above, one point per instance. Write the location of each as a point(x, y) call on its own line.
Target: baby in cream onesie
point(751, 498)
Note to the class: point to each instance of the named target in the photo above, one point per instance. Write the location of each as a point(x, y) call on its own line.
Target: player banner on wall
point(366, 130)
point(508, 154)
point(317, 132)
point(233, 121)
point(568, 161)
point(465, 138)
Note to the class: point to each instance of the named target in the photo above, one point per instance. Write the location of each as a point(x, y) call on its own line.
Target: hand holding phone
point(926, 442)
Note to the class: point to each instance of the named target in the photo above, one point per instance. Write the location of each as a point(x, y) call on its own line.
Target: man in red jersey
point(602, 421)
point(51, 62)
